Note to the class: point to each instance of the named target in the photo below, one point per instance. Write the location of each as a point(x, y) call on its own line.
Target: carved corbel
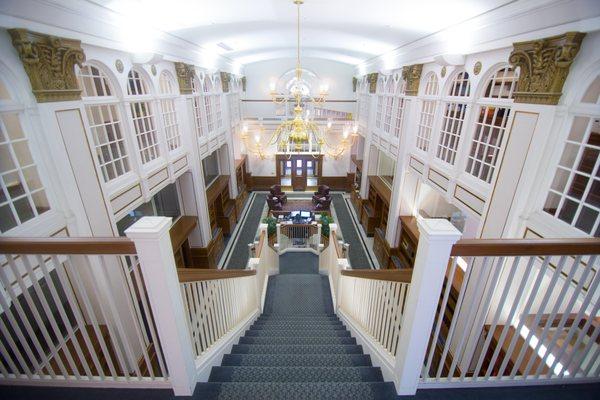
point(412, 76)
point(354, 83)
point(225, 80)
point(372, 79)
point(544, 66)
point(243, 83)
point(185, 77)
point(49, 62)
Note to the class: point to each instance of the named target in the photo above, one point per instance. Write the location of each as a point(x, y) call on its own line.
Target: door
point(298, 174)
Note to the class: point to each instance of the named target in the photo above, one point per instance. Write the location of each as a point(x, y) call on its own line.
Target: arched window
point(454, 118)
point(427, 115)
point(217, 88)
point(105, 122)
point(168, 92)
point(208, 107)
point(22, 195)
point(143, 117)
point(198, 106)
point(380, 103)
point(399, 103)
point(491, 124)
point(388, 103)
point(574, 195)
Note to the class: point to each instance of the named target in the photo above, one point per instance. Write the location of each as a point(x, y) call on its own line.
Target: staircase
point(298, 348)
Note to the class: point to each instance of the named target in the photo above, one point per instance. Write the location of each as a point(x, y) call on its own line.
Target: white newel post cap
point(333, 227)
point(149, 228)
point(438, 230)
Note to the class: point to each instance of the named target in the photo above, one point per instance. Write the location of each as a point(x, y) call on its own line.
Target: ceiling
point(349, 31)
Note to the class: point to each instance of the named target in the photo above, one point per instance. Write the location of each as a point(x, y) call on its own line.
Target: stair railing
point(517, 311)
point(298, 237)
point(265, 261)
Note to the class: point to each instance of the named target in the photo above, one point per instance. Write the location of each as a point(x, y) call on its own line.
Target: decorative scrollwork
point(544, 66)
point(185, 77)
point(412, 76)
point(49, 62)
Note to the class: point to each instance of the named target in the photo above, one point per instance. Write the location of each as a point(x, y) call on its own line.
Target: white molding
point(214, 356)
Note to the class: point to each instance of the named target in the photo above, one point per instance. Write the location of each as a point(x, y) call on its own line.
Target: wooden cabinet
point(409, 239)
point(221, 208)
point(374, 212)
point(382, 249)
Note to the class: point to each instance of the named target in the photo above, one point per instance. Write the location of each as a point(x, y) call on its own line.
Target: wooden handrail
point(67, 245)
point(400, 275)
point(195, 274)
point(261, 242)
point(526, 247)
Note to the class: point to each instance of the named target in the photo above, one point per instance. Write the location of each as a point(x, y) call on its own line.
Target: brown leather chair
point(322, 190)
point(274, 203)
point(275, 191)
point(323, 205)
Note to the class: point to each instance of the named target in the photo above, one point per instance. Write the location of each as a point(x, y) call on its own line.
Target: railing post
point(153, 247)
point(279, 235)
point(436, 238)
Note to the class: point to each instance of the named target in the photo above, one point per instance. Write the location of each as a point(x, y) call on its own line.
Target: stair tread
point(297, 333)
point(304, 340)
point(295, 349)
point(296, 390)
point(295, 374)
point(297, 360)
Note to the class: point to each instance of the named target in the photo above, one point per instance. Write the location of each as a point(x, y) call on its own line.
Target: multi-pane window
point(388, 104)
point(22, 195)
point(198, 106)
point(574, 195)
point(491, 125)
point(428, 107)
point(218, 111)
point(485, 147)
point(453, 120)
point(143, 118)
point(105, 123)
point(169, 114)
point(399, 103)
point(379, 114)
point(208, 107)
point(425, 124)
point(454, 117)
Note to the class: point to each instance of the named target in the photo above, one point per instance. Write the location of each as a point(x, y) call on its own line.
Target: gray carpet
point(356, 252)
point(238, 259)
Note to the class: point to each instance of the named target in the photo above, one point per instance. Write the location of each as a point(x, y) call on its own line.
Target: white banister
point(153, 246)
point(436, 238)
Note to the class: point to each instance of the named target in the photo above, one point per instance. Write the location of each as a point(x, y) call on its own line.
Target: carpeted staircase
point(298, 348)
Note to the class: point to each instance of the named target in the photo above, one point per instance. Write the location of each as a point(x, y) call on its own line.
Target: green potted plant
point(325, 221)
point(271, 225)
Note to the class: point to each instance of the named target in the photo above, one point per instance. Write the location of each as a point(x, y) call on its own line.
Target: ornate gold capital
point(49, 62)
point(243, 83)
point(544, 65)
point(354, 83)
point(225, 79)
point(372, 79)
point(412, 76)
point(185, 77)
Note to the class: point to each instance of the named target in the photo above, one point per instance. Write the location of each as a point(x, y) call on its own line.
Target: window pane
point(567, 211)
point(7, 220)
point(587, 218)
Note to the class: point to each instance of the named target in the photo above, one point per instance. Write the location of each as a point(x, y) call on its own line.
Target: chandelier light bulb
point(345, 134)
point(355, 128)
point(245, 128)
point(257, 138)
point(272, 86)
point(329, 123)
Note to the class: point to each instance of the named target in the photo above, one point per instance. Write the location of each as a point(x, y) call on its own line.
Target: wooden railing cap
point(67, 245)
point(196, 275)
point(393, 275)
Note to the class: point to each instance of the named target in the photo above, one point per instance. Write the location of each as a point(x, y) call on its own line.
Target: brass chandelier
point(300, 134)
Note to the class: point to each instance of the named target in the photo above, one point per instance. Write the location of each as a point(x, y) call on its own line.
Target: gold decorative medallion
point(225, 79)
point(372, 79)
point(443, 72)
point(49, 62)
point(412, 76)
point(477, 68)
point(544, 65)
point(153, 69)
point(119, 66)
point(185, 76)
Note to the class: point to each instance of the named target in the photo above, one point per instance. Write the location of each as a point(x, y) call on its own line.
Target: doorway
point(299, 172)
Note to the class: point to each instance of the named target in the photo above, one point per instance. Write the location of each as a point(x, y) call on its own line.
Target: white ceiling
point(349, 31)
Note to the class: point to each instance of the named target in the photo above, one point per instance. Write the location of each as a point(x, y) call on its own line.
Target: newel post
point(155, 253)
point(436, 238)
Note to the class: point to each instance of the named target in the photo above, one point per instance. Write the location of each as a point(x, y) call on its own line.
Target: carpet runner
point(298, 348)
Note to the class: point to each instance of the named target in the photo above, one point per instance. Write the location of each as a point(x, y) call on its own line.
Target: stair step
point(298, 327)
point(297, 360)
point(295, 374)
point(296, 340)
point(281, 317)
point(298, 324)
point(297, 333)
point(295, 349)
point(296, 391)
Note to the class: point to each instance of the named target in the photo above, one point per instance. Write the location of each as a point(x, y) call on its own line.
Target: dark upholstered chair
point(323, 205)
point(274, 203)
point(275, 191)
point(319, 198)
point(322, 190)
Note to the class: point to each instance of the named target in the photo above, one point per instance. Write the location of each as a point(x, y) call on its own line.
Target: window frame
point(168, 99)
